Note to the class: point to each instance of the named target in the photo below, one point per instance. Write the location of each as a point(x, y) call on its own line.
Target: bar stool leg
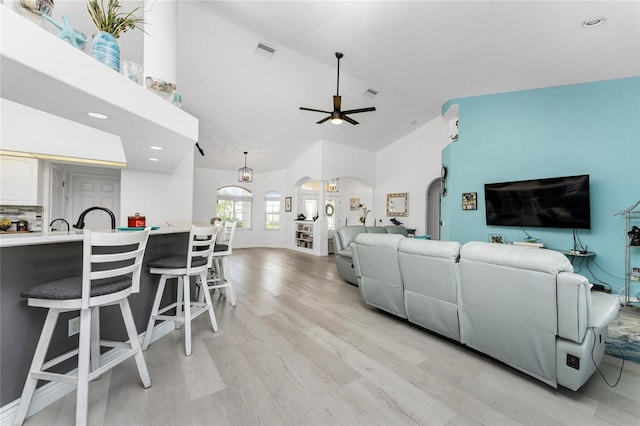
point(227, 278)
point(207, 299)
point(84, 353)
point(179, 303)
point(130, 325)
point(95, 339)
point(187, 315)
point(154, 312)
point(36, 365)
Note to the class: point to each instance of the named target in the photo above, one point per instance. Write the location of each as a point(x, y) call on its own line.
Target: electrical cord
point(605, 271)
point(596, 364)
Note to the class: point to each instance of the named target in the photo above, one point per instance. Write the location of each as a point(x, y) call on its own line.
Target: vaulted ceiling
point(416, 54)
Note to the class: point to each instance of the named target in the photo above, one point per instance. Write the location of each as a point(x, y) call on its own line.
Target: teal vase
point(106, 50)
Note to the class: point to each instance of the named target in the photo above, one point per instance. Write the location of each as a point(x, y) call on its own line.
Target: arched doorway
point(433, 209)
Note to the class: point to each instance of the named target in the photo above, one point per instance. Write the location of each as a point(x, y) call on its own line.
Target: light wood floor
point(301, 348)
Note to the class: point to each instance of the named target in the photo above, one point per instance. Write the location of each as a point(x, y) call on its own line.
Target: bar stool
point(219, 275)
point(183, 267)
point(111, 266)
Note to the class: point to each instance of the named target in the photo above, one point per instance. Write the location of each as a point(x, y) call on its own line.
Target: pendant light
point(245, 174)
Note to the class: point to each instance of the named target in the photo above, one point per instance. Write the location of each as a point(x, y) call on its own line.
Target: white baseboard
point(53, 391)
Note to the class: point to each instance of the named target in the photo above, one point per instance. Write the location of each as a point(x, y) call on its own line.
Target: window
point(310, 208)
point(272, 211)
point(235, 203)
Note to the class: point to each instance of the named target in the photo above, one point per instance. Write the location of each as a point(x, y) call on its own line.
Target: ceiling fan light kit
point(337, 116)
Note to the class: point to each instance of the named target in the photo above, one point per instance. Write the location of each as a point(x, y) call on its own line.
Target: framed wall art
point(496, 238)
point(469, 201)
point(287, 204)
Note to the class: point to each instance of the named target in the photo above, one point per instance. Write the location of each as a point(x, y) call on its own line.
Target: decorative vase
point(106, 50)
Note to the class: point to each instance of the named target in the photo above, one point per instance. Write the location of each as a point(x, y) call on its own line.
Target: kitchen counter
point(32, 258)
point(35, 238)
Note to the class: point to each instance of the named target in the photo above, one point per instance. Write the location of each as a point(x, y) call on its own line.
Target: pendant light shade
point(245, 174)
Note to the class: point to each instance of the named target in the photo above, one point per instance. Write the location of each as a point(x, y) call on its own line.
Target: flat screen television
point(561, 202)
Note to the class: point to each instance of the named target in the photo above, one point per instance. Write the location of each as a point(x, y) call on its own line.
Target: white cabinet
point(18, 181)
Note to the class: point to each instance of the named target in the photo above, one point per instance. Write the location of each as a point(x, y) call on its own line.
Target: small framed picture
point(496, 238)
point(469, 201)
point(287, 204)
point(635, 274)
point(354, 203)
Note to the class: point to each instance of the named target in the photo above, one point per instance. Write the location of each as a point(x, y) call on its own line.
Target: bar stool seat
point(182, 267)
point(111, 272)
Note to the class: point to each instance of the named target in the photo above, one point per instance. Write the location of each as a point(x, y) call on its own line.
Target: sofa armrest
point(573, 298)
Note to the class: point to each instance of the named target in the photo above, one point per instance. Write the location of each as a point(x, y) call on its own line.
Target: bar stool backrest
point(226, 236)
point(201, 242)
point(118, 254)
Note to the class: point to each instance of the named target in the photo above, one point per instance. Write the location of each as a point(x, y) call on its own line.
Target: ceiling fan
point(337, 116)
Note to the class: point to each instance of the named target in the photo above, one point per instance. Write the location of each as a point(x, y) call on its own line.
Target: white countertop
point(37, 238)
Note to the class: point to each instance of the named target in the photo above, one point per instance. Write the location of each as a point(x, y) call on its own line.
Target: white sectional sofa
point(344, 237)
point(520, 305)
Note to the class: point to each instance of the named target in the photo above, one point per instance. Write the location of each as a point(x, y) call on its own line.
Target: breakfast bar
point(31, 258)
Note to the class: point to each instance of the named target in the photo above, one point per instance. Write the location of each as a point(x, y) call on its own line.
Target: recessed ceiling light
point(153, 159)
point(157, 148)
point(97, 115)
point(593, 22)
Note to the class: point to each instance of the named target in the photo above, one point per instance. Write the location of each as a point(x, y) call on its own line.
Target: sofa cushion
point(375, 259)
point(430, 274)
point(396, 229)
point(513, 256)
point(604, 309)
point(376, 229)
point(345, 252)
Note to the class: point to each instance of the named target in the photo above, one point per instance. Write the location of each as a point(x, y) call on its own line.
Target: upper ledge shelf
point(43, 72)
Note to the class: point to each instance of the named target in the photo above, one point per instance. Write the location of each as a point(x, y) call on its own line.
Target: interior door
point(433, 209)
point(95, 190)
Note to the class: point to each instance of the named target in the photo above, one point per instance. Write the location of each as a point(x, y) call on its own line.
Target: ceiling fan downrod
point(339, 55)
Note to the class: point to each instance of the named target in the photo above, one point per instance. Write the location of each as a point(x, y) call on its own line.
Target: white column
point(160, 42)
point(321, 236)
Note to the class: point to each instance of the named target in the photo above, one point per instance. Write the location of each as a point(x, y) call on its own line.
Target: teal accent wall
point(591, 128)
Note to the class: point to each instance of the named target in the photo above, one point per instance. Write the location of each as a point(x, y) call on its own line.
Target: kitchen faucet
point(62, 220)
point(80, 224)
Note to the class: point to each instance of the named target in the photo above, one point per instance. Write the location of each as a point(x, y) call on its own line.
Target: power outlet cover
point(74, 326)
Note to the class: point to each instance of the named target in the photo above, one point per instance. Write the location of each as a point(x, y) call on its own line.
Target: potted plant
point(111, 22)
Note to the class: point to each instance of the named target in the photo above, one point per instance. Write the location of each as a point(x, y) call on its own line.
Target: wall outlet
point(74, 326)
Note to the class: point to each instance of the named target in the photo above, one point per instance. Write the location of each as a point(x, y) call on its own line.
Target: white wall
point(346, 161)
point(353, 188)
point(161, 197)
point(409, 165)
point(207, 182)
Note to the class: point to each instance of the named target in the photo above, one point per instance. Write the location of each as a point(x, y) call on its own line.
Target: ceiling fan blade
point(337, 103)
point(355, 111)
point(349, 119)
point(315, 110)
point(323, 120)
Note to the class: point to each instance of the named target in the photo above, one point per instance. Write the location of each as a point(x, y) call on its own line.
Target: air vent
point(370, 93)
point(264, 50)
